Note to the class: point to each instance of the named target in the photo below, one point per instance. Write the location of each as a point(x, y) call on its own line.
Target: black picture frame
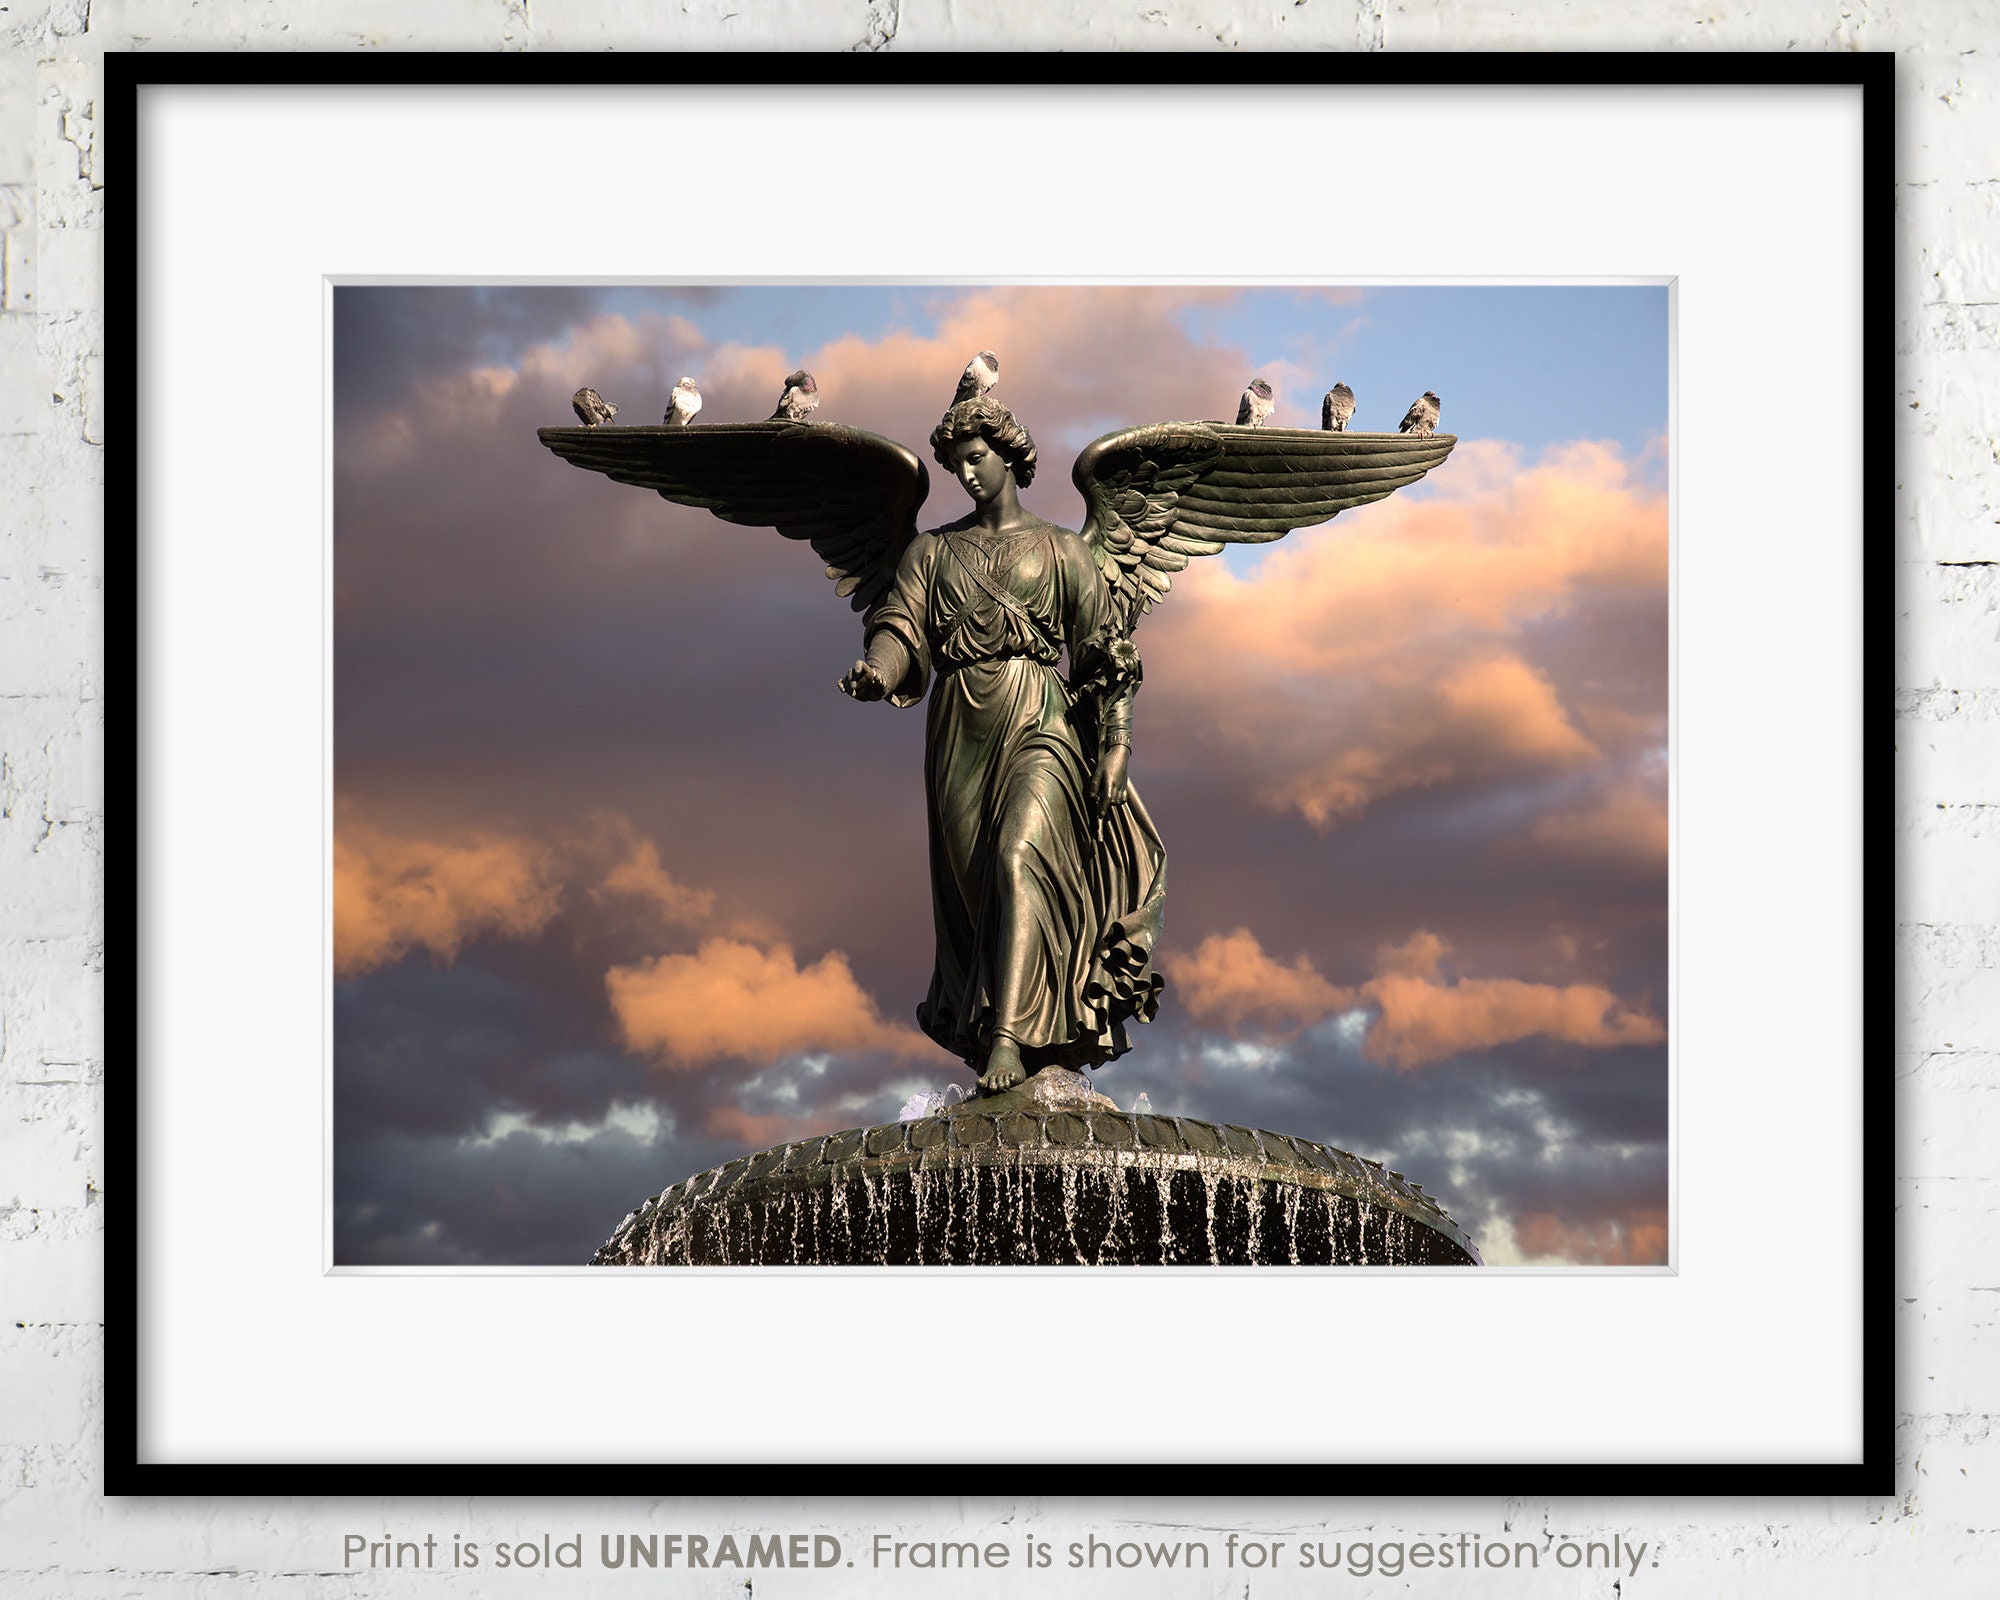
point(128, 76)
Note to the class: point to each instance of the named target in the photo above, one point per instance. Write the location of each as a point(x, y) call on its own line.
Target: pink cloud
point(1230, 979)
point(1425, 1017)
point(1392, 649)
point(398, 888)
point(637, 875)
point(1490, 718)
point(471, 400)
point(394, 894)
point(757, 1130)
point(733, 999)
point(1637, 1239)
point(1627, 823)
point(1066, 366)
point(1421, 1016)
point(741, 994)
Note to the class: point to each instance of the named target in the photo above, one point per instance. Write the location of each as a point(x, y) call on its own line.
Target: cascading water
point(1018, 1181)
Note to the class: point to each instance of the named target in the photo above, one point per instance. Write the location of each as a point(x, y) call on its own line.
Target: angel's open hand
point(1107, 786)
point(863, 682)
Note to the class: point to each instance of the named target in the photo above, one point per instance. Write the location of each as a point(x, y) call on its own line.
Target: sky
point(624, 887)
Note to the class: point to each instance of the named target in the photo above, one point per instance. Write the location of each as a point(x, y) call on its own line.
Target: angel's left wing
point(1162, 494)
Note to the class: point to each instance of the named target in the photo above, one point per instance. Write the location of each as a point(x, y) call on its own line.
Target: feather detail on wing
point(853, 494)
point(1165, 493)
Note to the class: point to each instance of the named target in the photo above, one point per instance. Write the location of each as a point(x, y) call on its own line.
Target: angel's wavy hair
point(969, 419)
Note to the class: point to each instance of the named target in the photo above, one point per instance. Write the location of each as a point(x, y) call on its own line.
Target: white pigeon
point(1336, 409)
point(592, 409)
point(981, 373)
point(800, 396)
point(1256, 405)
point(686, 402)
point(1422, 417)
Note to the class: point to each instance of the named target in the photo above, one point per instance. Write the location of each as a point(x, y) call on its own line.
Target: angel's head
point(989, 421)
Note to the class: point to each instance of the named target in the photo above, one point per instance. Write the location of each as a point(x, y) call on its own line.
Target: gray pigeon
point(1336, 409)
point(800, 396)
point(1256, 406)
point(1422, 417)
point(686, 402)
point(981, 373)
point(592, 409)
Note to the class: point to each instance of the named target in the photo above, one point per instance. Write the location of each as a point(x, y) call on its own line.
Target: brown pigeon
point(592, 409)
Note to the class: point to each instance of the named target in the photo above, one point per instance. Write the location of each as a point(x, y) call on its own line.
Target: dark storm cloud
point(521, 1200)
point(1532, 1128)
point(387, 340)
point(486, 1113)
point(1432, 861)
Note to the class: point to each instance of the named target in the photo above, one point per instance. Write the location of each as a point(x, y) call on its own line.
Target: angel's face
point(980, 467)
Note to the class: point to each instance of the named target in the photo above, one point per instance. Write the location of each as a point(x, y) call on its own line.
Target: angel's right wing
point(853, 494)
point(1165, 493)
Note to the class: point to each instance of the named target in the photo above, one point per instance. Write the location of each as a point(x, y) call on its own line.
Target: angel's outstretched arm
point(887, 666)
point(897, 656)
point(870, 677)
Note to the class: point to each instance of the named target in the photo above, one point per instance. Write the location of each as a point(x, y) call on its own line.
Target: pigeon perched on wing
point(981, 373)
point(686, 402)
point(592, 409)
point(1256, 406)
point(800, 396)
point(1422, 417)
point(1336, 408)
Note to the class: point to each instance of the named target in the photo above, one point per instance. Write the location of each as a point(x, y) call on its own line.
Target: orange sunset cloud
point(1421, 1016)
point(1230, 979)
point(756, 1130)
point(394, 892)
point(1490, 718)
point(1425, 1018)
point(741, 994)
point(392, 895)
point(638, 875)
point(1627, 823)
point(734, 999)
point(1636, 1240)
point(1389, 650)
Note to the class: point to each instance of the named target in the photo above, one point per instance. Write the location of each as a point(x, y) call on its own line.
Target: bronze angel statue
point(1048, 878)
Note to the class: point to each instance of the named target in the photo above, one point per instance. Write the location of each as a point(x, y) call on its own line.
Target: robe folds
point(1011, 744)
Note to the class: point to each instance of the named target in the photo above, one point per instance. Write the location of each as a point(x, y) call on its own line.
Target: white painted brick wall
point(1939, 1535)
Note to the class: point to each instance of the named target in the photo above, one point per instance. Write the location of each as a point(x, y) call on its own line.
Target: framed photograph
point(705, 915)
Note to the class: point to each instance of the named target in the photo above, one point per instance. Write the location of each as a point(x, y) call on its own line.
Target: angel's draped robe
point(1010, 749)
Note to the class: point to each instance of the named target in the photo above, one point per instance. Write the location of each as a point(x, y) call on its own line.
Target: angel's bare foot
point(1003, 1066)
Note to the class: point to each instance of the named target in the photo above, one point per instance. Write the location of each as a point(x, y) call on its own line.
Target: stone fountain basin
point(1009, 1182)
